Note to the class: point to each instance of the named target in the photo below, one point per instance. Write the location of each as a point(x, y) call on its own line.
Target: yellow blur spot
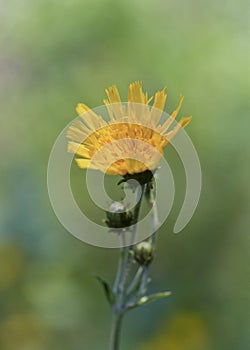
point(186, 331)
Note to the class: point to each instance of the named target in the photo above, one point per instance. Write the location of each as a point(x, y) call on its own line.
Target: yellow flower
point(133, 139)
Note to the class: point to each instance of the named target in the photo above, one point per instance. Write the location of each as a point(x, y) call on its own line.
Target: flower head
point(131, 141)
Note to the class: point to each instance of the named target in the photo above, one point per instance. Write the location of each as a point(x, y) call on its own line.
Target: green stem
point(135, 281)
point(139, 196)
point(126, 262)
point(156, 223)
point(116, 331)
point(121, 277)
point(154, 215)
point(120, 265)
point(143, 282)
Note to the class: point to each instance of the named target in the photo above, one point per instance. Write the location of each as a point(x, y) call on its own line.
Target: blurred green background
point(57, 53)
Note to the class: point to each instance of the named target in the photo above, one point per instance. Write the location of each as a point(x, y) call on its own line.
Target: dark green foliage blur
point(54, 54)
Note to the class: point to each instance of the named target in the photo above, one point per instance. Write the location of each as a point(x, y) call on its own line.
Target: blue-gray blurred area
point(54, 54)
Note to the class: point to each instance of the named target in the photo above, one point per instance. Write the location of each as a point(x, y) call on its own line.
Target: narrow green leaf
point(148, 299)
point(107, 290)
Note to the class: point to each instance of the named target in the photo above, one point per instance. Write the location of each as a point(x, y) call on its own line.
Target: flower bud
point(144, 253)
point(118, 216)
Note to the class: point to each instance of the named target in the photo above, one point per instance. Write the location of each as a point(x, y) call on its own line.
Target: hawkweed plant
point(135, 159)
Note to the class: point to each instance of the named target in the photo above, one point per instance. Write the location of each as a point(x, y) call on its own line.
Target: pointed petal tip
point(185, 121)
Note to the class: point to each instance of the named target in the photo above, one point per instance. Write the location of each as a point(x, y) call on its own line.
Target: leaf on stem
point(107, 290)
point(148, 299)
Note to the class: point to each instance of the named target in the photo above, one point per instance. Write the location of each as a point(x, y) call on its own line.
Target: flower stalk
point(116, 331)
point(130, 292)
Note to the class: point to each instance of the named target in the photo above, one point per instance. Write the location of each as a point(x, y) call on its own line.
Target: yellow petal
point(87, 163)
point(135, 93)
point(114, 170)
point(92, 120)
point(113, 94)
point(76, 133)
point(170, 120)
point(114, 105)
point(79, 149)
point(160, 99)
point(109, 108)
point(83, 163)
point(175, 113)
point(81, 108)
point(158, 106)
point(182, 123)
